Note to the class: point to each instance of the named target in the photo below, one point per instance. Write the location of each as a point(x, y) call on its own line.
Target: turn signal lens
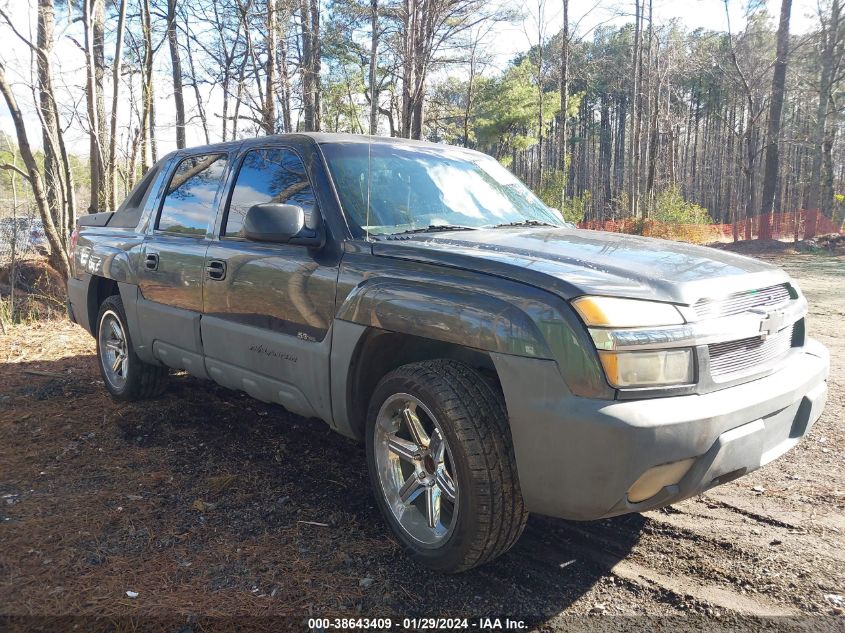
point(616, 312)
point(655, 368)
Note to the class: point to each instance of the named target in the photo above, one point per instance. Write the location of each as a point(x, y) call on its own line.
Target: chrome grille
point(740, 302)
point(738, 356)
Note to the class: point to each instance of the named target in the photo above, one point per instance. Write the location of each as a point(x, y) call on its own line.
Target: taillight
point(73, 238)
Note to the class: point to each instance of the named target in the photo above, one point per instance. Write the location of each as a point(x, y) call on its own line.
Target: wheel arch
point(99, 289)
point(375, 353)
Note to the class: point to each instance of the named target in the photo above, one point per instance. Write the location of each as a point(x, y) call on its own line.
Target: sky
point(505, 41)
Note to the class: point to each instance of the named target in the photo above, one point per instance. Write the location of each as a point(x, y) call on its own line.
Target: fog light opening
point(655, 479)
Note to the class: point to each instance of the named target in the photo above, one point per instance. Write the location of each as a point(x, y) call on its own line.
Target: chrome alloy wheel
point(114, 352)
point(415, 468)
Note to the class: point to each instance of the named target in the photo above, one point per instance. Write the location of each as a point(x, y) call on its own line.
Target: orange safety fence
point(783, 226)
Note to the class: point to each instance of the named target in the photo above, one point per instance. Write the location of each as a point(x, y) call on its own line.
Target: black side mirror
point(280, 223)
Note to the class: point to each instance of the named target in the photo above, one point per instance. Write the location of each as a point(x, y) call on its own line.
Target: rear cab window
point(189, 201)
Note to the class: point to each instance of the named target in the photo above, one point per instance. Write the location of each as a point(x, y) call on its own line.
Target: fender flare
point(445, 313)
point(427, 310)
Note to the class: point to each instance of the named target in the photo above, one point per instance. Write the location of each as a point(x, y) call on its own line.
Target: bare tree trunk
point(90, 100)
point(408, 63)
point(636, 108)
point(95, 67)
point(147, 96)
point(226, 62)
point(195, 86)
point(59, 256)
point(646, 117)
point(115, 100)
point(285, 96)
point(470, 85)
point(176, 73)
point(829, 54)
point(133, 160)
point(100, 92)
point(770, 178)
point(749, 169)
point(62, 206)
point(540, 117)
point(269, 113)
point(374, 37)
point(423, 32)
point(316, 64)
point(307, 68)
point(827, 174)
point(564, 90)
point(239, 96)
point(52, 176)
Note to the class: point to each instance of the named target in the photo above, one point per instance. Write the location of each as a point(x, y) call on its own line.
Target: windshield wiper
point(523, 223)
point(434, 228)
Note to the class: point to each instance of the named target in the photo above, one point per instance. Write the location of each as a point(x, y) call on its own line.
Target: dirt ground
point(209, 504)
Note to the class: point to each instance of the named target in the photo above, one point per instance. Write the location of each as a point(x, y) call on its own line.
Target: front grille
point(740, 302)
point(735, 357)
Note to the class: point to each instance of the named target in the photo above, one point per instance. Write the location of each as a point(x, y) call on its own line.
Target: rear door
point(268, 307)
point(172, 262)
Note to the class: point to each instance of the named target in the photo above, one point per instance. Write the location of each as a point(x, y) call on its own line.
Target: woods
point(628, 116)
point(737, 122)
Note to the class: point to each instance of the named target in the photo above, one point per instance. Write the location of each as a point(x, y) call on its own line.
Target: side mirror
point(280, 223)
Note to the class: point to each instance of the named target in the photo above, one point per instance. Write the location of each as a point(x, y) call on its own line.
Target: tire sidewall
point(114, 305)
point(452, 551)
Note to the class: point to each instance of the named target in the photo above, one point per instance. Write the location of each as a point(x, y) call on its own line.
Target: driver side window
point(269, 175)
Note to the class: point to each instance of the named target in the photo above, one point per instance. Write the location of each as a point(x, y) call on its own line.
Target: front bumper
point(578, 457)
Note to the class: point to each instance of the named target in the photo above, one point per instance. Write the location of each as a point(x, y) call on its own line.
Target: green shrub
point(552, 192)
point(670, 207)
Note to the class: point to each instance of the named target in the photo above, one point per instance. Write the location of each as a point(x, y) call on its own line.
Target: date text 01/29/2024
point(481, 623)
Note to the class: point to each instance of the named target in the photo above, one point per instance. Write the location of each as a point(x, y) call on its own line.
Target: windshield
point(416, 187)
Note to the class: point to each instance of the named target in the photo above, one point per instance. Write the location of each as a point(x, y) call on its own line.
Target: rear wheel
point(125, 375)
point(441, 462)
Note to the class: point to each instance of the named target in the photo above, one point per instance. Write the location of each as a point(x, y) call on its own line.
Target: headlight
point(616, 312)
point(656, 368)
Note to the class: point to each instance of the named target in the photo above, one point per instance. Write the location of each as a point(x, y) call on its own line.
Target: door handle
point(151, 261)
point(216, 269)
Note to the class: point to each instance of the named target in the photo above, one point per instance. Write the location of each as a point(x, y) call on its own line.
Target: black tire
point(471, 415)
point(142, 380)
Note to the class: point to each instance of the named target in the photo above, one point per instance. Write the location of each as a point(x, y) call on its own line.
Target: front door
point(172, 262)
point(268, 307)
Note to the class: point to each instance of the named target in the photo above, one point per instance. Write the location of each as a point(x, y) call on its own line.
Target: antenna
point(369, 183)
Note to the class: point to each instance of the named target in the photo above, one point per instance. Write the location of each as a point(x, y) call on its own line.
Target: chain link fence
point(20, 237)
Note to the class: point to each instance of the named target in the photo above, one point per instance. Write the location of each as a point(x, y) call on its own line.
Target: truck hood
point(573, 262)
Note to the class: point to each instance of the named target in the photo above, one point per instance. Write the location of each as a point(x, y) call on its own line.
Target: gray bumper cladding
point(577, 458)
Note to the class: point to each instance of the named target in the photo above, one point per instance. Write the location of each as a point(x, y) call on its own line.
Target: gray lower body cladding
point(577, 457)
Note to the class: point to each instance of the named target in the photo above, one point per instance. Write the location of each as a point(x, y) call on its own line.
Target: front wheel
point(441, 462)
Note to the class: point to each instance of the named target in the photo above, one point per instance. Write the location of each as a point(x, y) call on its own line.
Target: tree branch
point(15, 169)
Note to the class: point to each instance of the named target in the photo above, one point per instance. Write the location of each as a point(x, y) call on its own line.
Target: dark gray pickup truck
point(495, 360)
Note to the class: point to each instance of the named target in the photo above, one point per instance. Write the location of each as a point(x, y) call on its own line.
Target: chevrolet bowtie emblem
point(772, 324)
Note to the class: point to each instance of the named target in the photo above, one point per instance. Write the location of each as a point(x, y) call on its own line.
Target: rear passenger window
point(189, 202)
point(269, 175)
